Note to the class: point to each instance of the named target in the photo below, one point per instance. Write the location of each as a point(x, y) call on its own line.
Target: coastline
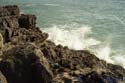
point(28, 57)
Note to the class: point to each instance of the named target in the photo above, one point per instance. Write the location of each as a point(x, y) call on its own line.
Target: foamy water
point(77, 37)
point(73, 36)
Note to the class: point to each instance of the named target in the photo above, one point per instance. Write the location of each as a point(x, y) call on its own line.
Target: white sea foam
point(104, 53)
point(77, 37)
point(71, 36)
point(52, 4)
point(119, 59)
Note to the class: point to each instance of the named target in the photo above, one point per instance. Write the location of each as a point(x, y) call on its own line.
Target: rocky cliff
point(26, 56)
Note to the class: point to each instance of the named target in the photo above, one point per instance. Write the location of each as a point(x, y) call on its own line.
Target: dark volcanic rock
point(26, 56)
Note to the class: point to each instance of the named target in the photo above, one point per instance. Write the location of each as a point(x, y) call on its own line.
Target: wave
point(78, 37)
point(72, 36)
point(52, 4)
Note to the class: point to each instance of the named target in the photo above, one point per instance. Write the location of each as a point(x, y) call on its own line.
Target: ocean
point(95, 25)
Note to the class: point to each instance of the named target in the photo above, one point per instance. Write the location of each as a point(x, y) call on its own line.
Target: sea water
point(95, 25)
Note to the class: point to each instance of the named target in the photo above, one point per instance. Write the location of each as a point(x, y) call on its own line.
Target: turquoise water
point(97, 25)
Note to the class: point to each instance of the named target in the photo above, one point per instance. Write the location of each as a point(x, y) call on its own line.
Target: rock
point(1, 41)
point(24, 35)
point(95, 77)
point(1, 44)
point(7, 25)
point(118, 71)
point(2, 78)
point(9, 10)
point(62, 78)
point(11, 31)
point(25, 63)
point(27, 21)
point(26, 56)
point(9, 22)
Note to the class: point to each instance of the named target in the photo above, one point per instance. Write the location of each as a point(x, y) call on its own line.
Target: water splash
point(73, 36)
point(104, 53)
point(77, 37)
point(119, 59)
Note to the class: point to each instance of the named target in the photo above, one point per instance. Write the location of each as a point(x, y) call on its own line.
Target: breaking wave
point(78, 37)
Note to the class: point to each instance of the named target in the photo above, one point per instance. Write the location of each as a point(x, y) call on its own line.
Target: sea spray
point(73, 36)
point(119, 59)
point(78, 37)
point(104, 53)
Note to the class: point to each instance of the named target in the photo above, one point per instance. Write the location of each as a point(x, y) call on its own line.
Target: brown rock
point(9, 10)
point(1, 41)
point(2, 78)
point(25, 63)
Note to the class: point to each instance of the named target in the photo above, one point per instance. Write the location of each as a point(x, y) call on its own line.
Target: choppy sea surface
point(96, 25)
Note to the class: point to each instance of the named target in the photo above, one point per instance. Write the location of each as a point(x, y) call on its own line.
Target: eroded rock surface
point(26, 56)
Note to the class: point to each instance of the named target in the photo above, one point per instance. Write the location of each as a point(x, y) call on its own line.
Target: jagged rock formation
point(26, 56)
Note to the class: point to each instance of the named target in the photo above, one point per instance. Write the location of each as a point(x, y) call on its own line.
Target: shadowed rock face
point(26, 56)
point(27, 21)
